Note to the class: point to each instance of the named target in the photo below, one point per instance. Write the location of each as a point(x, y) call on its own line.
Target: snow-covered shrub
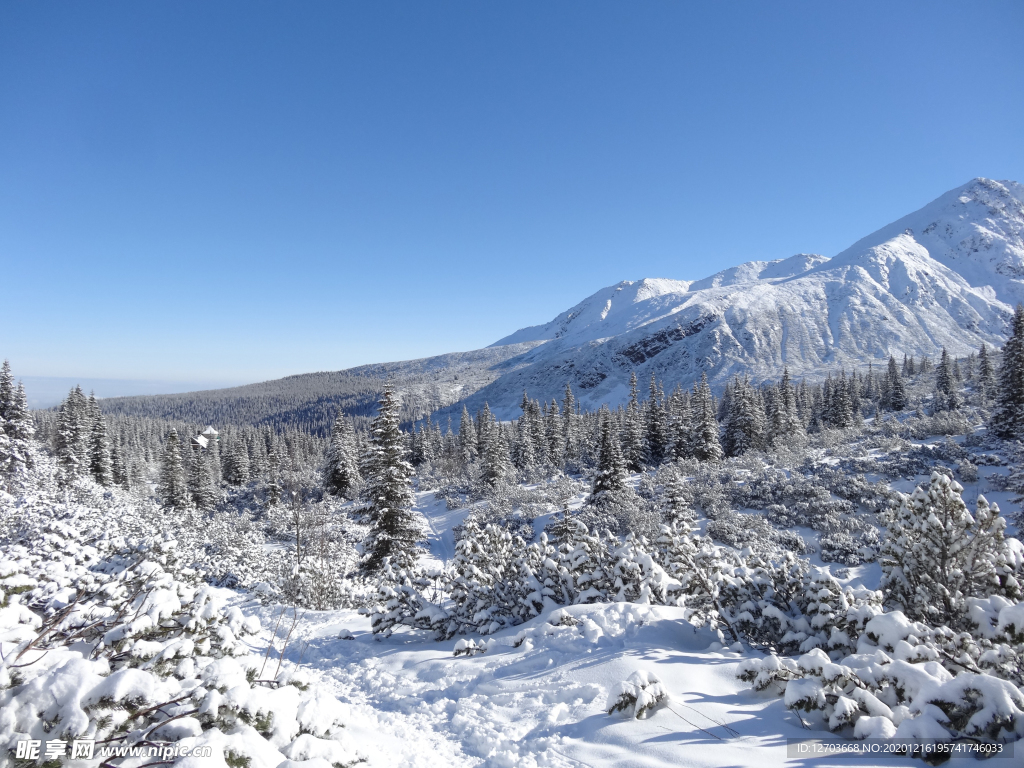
point(466, 647)
point(740, 530)
point(754, 531)
point(968, 471)
point(637, 695)
point(120, 645)
point(898, 684)
point(402, 600)
point(936, 554)
point(842, 547)
point(622, 512)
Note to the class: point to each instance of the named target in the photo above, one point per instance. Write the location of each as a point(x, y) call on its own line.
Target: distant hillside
point(311, 401)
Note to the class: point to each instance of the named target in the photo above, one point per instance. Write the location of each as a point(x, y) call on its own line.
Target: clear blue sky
point(239, 191)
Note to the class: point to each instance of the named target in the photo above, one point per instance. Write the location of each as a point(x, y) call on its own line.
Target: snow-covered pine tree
point(946, 397)
point(634, 574)
point(118, 469)
point(258, 458)
point(387, 491)
point(1008, 414)
point(985, 383)
point(896, 394)
point(633, 443)
point(200, 481)
point(79, 426)
point(524, 456)
point(854, 391)
point(677, 507)
point(173, 486)
point(99, 445)
point(483, 588)
point(681, 426)
point(570, 426)
point(68, 464)
point(535, 425)
point(706, 444)
point(936, 554)
point(611, 473)
point(273, 489)
point(585, 557)
point(213, 452)
point(840, 409)
point(467, 437)
point(744, 426)
point(341, 470)
point(16, 427)
point(553, 433)
point(6, 389)
point(236, 463)
point(656, 426)
point(496, 465)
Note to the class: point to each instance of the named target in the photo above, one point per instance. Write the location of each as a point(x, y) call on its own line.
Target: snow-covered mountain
point(946, 275)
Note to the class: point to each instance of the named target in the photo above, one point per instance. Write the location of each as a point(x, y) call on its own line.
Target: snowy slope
point(947, 275)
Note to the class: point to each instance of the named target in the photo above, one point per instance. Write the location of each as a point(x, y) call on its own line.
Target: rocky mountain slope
point(944, 276)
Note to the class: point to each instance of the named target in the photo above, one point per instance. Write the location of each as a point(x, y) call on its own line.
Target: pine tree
point(236, 463)
point(79, 427)
point(611, 467)
point(1008, 414)
point(118, 469)
point(570, 426)
point(986, 383)
point(16, 428)
point(173, 488)
point(213, 453)
point(6, 390)
point(200, 481)
point(680, 425)
point(467, 437)
point(744, 426)
point(896, 393)
point(99, 445)
point(388, 491)
point(273, 489)
point(633, 448)
point(678, 510)
point(68, 465)
point(496, 466)
point(706, 444)
point(656, 428)
point(341, 470)
point(841, 408)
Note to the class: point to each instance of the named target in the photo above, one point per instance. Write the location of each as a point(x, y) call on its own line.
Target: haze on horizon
point(201, 195)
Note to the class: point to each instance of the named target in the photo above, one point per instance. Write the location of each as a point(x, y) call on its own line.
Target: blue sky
point(239, 191)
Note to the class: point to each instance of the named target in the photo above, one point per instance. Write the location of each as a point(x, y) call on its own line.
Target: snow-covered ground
point(539, 694)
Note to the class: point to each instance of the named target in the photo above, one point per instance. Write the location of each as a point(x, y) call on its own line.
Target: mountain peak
point(976, 230)
point(946, 275)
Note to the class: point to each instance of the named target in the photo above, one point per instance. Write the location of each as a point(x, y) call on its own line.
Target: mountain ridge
point(946, 275)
